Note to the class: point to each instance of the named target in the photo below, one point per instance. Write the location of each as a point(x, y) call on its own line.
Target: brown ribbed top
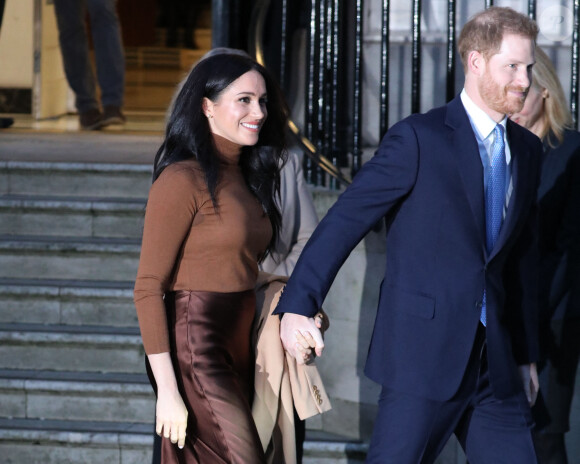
point(187, 245)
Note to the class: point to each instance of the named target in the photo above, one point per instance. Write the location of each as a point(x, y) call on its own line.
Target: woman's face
point(531, 114)
point(240, 110)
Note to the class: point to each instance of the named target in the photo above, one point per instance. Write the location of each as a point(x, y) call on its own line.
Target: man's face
point(507, 76)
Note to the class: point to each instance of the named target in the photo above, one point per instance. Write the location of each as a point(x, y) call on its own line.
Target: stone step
point(162, 57)
point(75, 179)
point(76, 396)
point(68, 442)
point(82, 217)
point(42, 257)
point(201, 36)
point(64, 442)
point(71, 348)
point(67, 302)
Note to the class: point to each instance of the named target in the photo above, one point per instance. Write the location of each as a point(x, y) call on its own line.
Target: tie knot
point(498, 131)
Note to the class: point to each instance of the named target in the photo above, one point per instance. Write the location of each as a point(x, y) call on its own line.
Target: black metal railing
point(331, 132)
point(575, 61)
point(319, 169)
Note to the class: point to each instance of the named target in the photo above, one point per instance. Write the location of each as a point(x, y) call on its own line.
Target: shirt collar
point(480, 120)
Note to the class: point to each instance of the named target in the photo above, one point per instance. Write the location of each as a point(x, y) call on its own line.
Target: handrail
point(256, 46)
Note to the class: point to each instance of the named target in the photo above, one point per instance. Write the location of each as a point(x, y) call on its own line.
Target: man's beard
point(497, 97)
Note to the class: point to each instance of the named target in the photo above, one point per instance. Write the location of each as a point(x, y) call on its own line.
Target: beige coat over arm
point(280, 383)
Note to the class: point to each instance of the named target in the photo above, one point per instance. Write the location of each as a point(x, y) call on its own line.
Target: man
point(456, 331)
point(109, 57)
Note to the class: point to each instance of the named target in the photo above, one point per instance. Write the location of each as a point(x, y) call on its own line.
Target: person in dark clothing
point(109, 57)
point(454, 344)
point(4, 122)
point(546, 114)
point(175, 15)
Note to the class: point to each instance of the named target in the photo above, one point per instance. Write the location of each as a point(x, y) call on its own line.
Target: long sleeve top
point(190, 245)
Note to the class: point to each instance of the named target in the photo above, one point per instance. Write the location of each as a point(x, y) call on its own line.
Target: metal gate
point(336, 68)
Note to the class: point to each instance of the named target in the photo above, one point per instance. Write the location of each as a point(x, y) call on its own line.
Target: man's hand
point(298, 332)
point(529, 375)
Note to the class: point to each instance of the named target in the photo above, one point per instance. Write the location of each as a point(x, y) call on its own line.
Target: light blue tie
point(494, 198)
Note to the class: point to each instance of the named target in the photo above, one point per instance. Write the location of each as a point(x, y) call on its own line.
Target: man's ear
point(476, 63)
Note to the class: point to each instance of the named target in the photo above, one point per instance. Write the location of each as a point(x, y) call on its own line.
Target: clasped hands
point(302, 336)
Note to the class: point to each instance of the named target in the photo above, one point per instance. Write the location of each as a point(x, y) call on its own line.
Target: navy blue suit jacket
point(426, 180)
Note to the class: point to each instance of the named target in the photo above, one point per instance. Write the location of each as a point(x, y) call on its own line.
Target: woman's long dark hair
point(188, 135)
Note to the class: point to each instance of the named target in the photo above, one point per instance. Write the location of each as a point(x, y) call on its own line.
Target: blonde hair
point(484, 32)
point(556, 115)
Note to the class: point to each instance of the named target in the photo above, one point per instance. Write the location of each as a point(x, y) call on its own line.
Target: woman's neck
point(540, 127)
point(228, 151)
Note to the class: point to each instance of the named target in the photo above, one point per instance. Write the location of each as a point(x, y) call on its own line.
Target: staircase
point(72, 382)
point(153, 71)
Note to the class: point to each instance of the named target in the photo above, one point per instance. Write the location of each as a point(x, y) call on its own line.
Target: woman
point(211, 217)
point(546, 114)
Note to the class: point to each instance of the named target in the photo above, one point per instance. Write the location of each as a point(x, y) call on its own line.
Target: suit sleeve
point(379, 186)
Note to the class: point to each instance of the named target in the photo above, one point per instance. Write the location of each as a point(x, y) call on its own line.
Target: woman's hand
point(305, 343)
point(171, 416)
point(321, 321)
point(170, 411)
point(297, 332)
point(304, 346)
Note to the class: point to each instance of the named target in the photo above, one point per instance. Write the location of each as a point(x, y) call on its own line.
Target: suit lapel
point(519, 172)
point(466, 153)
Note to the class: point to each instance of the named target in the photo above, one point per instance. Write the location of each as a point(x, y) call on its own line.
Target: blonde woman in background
point(546, 114)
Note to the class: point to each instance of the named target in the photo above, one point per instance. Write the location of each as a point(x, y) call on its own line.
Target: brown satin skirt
point(214, 364)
